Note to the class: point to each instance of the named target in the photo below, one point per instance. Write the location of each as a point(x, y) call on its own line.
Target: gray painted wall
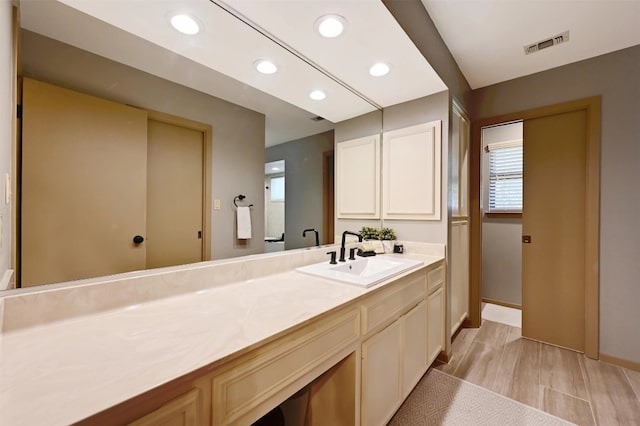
point(237, 139)
point(303, 186)
point(7, 86)
point(614, 77)
point(501, 238)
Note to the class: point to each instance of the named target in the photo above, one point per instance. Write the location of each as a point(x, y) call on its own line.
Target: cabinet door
point(415, 347)
point(381, 392)
point(358, 178)
point(459, 273)
point(411, 169)
point(435, 336)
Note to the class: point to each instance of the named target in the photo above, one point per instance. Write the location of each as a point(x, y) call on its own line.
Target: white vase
point(388, 245)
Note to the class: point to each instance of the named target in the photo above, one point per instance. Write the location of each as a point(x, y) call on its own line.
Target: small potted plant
point(369, 233)
point(388, 237)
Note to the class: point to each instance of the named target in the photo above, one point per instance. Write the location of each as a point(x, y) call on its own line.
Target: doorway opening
point(274, 202)
point(565, 216)
point(501, 209)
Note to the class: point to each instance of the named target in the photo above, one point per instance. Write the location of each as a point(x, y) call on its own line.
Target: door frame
point(206, 130)
point(592, 106)
point(328, 200)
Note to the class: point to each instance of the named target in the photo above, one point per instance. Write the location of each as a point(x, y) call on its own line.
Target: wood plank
point(634, 379)
point(560, 370)
point(612, 397)
point(480, 364)
point(492, 333)
point(526, 377)
point(507, 366)
point(567, 407)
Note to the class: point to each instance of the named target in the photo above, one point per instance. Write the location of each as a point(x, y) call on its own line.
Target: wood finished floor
point(558, 381)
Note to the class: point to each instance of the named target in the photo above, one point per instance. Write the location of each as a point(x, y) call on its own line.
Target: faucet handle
point(352, 253)
point(333, 257)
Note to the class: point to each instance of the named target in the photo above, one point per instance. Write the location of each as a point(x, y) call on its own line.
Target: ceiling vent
point(543, 44)
point(317, 118)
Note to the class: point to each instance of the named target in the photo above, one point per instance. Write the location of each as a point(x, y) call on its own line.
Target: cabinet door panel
point(411, 171)
point(358, 178)
point(435, 311)
point(415, 347)
point(381, 392)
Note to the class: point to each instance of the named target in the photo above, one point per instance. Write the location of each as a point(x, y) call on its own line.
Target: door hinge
point(19, 111)
point(199, 235)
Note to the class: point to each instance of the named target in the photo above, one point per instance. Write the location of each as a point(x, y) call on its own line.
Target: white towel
point(244, 223)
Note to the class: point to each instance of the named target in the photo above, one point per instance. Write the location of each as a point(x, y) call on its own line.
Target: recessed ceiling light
point(185, 24)
point(331, 26)
point(379, 69)
point(317, 95)
point(265, 67)
point(275, 169)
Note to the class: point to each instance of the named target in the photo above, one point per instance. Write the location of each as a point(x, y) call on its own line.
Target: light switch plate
point(216, 204)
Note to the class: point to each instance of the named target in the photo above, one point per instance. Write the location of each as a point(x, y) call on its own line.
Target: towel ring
point(239, 197)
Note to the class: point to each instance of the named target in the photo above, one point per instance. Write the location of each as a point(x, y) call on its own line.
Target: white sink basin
point(363, 272)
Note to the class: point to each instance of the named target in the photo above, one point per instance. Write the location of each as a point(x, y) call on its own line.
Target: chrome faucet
point(342, 249)
point(304, 234)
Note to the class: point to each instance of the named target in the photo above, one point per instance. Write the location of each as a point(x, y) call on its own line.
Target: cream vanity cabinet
point(403, 332)
point(182, 411)
point(359, 363)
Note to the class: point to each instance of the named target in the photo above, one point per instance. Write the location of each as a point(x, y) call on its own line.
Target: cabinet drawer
point(181, 411)
point(253, 383)
point(390, 303)
point(435, 277)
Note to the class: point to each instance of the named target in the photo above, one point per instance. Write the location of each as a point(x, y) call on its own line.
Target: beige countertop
point(64, 371)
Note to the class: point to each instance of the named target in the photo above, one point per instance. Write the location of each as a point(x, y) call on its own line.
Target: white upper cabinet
point(358, 178)
point(411, 172)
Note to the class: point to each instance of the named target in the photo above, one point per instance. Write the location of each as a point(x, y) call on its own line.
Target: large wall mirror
point(148, 85)
point(71, 53)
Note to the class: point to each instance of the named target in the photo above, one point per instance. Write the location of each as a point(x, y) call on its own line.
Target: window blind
point(505, 178)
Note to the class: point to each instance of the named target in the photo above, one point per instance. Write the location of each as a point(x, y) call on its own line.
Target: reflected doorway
point(274, 202)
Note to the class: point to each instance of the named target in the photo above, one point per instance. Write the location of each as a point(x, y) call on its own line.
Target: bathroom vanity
point(221, 342)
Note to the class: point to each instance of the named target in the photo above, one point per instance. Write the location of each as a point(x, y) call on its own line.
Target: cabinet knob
point(138, 239)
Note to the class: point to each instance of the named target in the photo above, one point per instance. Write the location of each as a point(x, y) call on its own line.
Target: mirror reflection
point(274, 206)
point(147, 113)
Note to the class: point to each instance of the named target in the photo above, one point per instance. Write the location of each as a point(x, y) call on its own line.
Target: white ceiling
point(486, 37)
point(219, 60)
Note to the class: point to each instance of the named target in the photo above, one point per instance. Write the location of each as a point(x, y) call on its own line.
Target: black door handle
point(138, 239)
